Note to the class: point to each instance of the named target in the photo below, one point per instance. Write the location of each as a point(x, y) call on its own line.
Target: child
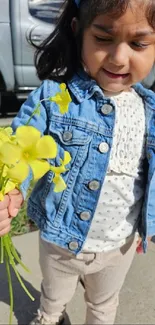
point(100, 49)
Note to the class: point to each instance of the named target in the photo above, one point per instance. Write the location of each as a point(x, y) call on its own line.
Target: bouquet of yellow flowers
point(21, 152)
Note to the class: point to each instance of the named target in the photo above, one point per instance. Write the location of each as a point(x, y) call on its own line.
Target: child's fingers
point(4, 214)
point(5, 226)
point(16, 201)
point(5, 203)
point(16, 196)
point(12, 210)
point(14, 192)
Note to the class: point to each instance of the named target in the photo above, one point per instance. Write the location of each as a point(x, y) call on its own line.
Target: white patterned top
point(122, 192)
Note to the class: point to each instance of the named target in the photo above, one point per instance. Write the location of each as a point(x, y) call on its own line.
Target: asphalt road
point(9, 108)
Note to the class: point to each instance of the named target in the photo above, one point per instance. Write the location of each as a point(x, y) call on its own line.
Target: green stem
point(10, 287)
point(35, 110)
point(2, 251)
point(22, 283)
point(44, 99)
point(7, 247)
point(15, 254)
point(1, 174)
point(5, 182)
point(29, 120)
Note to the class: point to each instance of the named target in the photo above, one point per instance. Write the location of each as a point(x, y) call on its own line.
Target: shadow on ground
point(24, 308)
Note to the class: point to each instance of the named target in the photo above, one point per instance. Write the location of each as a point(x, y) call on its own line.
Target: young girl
point(100, 49)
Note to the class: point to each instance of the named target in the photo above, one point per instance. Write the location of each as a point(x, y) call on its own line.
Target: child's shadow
point(24, 307)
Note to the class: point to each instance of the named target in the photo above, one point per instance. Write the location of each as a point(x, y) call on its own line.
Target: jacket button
point(106, 109)
point(67, 136)
point(103, 147)
point(94, 185)
point(85, 215)
point(73, 245)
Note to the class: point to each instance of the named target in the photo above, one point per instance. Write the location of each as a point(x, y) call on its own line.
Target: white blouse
point(121, 196)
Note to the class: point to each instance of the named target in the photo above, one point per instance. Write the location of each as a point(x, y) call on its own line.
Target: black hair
point(59, 56)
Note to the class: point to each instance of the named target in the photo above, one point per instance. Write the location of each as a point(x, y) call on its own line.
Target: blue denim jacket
point(65, 218)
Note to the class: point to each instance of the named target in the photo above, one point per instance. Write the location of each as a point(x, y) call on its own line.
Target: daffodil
point(60, 185)
point(30, 150)
point(62, 99)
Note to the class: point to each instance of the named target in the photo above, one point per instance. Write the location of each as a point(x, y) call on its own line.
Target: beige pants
point(103, 273)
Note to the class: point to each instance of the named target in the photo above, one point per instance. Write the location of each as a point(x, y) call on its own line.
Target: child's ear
point(75, 25)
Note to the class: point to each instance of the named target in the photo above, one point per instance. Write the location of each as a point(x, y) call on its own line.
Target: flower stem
point(15, 254)
point(11, 260)
point(10, 286)
point(36, 110)
point(1, 174)
point(22, 283)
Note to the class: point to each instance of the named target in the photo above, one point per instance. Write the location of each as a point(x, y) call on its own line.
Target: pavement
point(5, 121)
point(137, 298)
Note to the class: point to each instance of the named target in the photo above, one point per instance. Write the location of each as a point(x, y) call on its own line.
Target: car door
point(37, 17)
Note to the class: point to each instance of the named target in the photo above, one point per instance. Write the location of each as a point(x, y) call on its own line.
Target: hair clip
point(77, 2)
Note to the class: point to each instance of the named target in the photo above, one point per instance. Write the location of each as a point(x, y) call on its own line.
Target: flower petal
point(64, 107)
point(5, 171)
point(46, 148)
point(58, 170)
point(1, 196)
point(18, 173)
point(39, 168)
point(5, 134)
point(62, 99)
point(9, 187)
point(10, 153)
point(60, 184)
point(27, 136)
point(63, 86)
point(67, 158)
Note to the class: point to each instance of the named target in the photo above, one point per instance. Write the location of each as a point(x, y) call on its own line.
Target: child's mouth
point(115, 75)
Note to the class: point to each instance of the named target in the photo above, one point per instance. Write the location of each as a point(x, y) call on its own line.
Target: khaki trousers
point(103, 273)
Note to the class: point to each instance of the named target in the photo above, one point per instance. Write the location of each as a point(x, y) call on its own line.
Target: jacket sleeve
point(39, 121)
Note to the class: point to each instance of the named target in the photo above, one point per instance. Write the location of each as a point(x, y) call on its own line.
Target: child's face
point(119, 52)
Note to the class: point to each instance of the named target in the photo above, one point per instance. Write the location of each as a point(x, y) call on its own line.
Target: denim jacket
point(65, 218)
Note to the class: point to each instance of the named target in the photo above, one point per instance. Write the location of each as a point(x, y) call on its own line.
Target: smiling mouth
point(115, 75)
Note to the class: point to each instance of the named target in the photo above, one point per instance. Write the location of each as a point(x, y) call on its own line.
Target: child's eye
point(139, 45)
point(102, 39)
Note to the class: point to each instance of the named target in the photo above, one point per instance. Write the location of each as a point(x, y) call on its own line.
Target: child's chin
point(115, 89)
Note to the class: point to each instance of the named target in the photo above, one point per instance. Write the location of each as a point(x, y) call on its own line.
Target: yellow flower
point(5, 135)
point(60, 185)
point(9, 186)
point(31, 150)
point(6, 184)
point(62, 99)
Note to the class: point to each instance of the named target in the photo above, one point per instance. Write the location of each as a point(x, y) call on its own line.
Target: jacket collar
point(83, 87)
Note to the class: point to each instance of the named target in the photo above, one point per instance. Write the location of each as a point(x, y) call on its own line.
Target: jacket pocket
point(70, 138)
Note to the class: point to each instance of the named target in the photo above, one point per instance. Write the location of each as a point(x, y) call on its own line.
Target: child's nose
point(119, 55)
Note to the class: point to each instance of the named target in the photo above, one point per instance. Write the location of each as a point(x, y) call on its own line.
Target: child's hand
point(16, 201)
point(139, 248)
point(9, 208)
